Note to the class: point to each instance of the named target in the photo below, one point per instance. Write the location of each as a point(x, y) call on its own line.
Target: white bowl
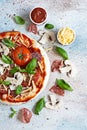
point(61, 33)
point(37, 23)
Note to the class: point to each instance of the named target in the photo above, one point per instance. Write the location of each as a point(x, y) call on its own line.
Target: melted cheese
point(66, 36)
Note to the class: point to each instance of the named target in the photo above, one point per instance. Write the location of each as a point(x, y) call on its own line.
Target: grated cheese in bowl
point(66, 36)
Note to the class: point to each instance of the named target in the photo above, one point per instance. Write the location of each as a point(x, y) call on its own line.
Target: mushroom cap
point(48, 37)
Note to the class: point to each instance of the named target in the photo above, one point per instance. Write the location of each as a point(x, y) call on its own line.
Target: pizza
point(24, 68)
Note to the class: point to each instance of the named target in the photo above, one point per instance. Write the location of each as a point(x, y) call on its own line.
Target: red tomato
point(21, 55)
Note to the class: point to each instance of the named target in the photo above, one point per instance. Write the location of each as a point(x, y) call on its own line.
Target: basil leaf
point(62, 84)
point(31, 66)
point(49, 26)
point(13, 113)
point(62, 52)
point(12, 110)
point(8, 42)
point(19, 20)
point(22, 70)
point(39, 106)
point(18, 89)
point(14, 70)
point(1, 81)
point(6, 82)
point(7, 59)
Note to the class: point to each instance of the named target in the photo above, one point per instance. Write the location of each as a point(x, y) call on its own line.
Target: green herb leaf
point(62, 52)
point(62, 84)
point(8, 42)
point(6, 82)
point(39, 106)
point(1, 81)
point(19, 20)
point(12, 110)
point(31, 66)
point(22, 70)
point(14, 70)
point(49, 26)
point(7, 59)
point(18, 89)
point(13, 113)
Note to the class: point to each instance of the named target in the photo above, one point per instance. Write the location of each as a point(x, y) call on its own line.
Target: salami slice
point(32, 28)
point(56, 65)
point(25, 115)
point(57, 90)
point(3, 91)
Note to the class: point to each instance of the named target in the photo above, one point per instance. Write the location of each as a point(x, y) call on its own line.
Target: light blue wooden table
point(61, 13)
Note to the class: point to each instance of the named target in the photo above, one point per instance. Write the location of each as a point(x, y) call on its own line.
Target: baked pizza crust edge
point(47, 67)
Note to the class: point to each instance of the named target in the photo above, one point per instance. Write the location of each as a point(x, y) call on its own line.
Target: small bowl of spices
point(66, 36)
point(38, 15)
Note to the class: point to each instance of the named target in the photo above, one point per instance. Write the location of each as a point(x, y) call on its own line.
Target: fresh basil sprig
point(62, 52)
point(7, 59)
point(13, 113)
point(62, 84)
point(14, 70)
point(49, 26)
point(22, 70)
point(18, 89)
point(4, 82)
point(39, 106)
point(17, 69)
point(30, 68)
point(19, 20)
point(8, 42)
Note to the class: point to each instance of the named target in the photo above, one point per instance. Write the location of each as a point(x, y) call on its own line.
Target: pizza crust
point(46, 61)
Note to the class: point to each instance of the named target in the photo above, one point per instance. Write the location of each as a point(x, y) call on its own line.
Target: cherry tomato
point(21, 55)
